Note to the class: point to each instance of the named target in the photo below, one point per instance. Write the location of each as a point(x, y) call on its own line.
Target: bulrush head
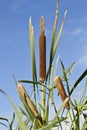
point(61, 90)
point(42, 50)
point(25, 97)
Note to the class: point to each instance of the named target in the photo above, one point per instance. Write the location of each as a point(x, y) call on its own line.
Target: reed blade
point(78, 81)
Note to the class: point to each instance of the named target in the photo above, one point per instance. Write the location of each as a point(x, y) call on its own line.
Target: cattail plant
point(61, 90)
point(33, 117)
point(25, 97)
point(42, 50)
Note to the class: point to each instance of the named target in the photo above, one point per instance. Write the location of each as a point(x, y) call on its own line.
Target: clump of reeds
point(61, 90)
point(25, 97)
point(42, 50)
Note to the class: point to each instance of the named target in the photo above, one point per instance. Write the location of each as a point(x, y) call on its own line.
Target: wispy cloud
point(76, 27)
point(17, 6)
point(20, 6)
point(83, 61)
point(77, 31)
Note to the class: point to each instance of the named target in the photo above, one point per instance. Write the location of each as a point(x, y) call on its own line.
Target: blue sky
point(14, 40)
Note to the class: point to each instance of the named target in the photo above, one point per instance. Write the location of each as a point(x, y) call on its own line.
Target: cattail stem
point(61, 90)
point(43, 103)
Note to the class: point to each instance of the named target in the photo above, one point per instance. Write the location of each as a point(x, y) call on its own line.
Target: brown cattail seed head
point(61, 90)
point(42, 51)
point(24, 96)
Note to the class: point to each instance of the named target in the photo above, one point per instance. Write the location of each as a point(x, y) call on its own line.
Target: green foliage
point(34, 73)
point(20, 121)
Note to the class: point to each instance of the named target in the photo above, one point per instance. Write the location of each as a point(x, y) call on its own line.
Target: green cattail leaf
point(47, 108)
point(70, 68)
point(84, 125)
point(56, 66)
point(78, 81)
point(12, 121)
point(59, 34)
point(3, 124)
point(4, 119)
point(31, 33)
point(32, 82)
point(68, 71)
point(54, 33)
point(65, 76)
point(34, 73)
point(21, 123)
point(62, 106)
point(53, 125)
point(84, 92)
point(53, 41)
point(55, 120)
point(23, 111)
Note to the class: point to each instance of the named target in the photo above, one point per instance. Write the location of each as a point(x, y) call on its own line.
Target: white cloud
point(20, 6)
point(17, 6)
point(83, 61)
point(77, 31)
point(77, 27)
point(83, 20)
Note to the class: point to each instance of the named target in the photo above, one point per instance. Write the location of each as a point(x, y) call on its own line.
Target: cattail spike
point(61, 90)
point(42, 51)
point(42, 25)
point(23, 95)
